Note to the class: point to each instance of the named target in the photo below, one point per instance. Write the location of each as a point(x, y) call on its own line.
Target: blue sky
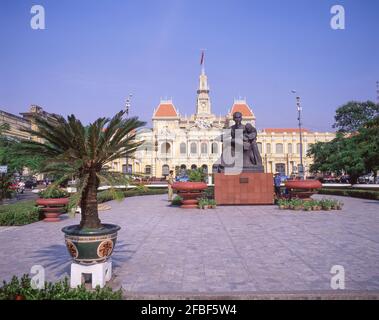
point(94, 53)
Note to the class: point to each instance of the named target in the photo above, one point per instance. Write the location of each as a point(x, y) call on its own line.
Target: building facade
point(179, 142)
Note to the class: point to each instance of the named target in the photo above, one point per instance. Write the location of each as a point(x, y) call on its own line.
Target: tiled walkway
point(229, 249)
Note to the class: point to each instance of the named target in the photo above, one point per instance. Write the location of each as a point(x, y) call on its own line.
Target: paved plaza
point(239, 249)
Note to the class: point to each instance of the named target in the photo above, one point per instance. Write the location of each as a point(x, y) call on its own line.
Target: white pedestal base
point(101, 273)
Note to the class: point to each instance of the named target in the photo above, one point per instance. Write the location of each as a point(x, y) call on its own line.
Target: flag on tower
point(202, 58)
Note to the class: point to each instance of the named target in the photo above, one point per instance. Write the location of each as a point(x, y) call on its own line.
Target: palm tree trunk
point(90, 217)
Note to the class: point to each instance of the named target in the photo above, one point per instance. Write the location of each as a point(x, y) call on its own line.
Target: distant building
point(182, 142)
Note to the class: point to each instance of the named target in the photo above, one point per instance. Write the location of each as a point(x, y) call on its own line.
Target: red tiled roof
point(282, 130)
point(166, 110)
point(243, 108)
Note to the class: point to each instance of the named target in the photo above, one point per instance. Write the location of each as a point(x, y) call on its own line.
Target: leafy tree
point(354, 115)
point(339, 156)
point(72, 149)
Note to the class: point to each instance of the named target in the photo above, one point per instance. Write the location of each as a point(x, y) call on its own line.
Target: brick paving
point(231, 249)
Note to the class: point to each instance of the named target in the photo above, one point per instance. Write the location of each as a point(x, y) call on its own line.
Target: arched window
point(147, 169)
point(194, 166)
point(204, 148)
point(205, 168)
point(279, 148)
point(165, 148)
point(259, 147)
point(268, 148)
point(193, 148)
point(165, 170)
point(214, 148)
point(290, 148)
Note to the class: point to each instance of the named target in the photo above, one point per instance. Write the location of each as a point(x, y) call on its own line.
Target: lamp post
point(299, 109)
point(127, 108)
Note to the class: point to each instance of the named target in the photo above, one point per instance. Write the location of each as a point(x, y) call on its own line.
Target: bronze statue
point(251, 159)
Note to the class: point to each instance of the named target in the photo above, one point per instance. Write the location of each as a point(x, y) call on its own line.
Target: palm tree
point(72, 149)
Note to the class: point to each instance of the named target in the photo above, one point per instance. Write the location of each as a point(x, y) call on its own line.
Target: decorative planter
point(52, 208)
point(303, 189)
point(90, 246)
point(190, 192)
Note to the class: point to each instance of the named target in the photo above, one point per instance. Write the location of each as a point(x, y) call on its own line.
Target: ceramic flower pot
point(52, 208)
point(92, 245)
point(303, 189)
point(190, 192)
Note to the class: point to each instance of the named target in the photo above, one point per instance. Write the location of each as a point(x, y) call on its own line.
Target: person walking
point(277, 183)
point(170, 180)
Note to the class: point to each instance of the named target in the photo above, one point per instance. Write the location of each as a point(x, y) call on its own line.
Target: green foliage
point(364, 194)
point(53, 192)
point(108, 195)
point(71, 149)
point(356, 153)
point(209, 192)
point(22, 289)
point(354, 115)
point(18, 214)
point(308, 205)
point(196, 175)
point(206, 203)
point(177, 201)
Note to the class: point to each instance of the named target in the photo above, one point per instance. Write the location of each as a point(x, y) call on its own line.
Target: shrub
point(364, 194)
point(108, 195)
point(53, 192)
point(177, 201)
point(196, 175)
point(18, 214)
point(308, 205)
point(22, 289)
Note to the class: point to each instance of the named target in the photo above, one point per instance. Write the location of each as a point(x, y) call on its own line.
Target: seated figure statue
point(247, 145)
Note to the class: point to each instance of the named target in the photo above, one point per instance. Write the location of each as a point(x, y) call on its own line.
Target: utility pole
point(377, 92)
point(299, 109)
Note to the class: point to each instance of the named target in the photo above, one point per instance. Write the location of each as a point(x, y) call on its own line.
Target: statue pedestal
point(244, 188)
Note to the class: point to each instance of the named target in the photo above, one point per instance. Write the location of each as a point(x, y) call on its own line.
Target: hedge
point(21, 289)
point(107, 195)
point(18, 214)
point(364, 194)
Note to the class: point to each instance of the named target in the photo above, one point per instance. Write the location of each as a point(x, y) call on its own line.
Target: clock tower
point(203, 103)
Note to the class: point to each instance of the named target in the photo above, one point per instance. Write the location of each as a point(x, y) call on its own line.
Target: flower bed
point(310, 205)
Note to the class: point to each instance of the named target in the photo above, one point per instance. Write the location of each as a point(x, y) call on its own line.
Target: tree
point(4, 127)
point(354, 115)
point(72, 149)
point(341, 155)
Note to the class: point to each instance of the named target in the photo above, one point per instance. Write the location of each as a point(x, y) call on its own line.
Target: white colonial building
point(176, 141)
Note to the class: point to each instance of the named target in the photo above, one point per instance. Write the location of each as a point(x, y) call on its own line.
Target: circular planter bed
point(303, 189)
point(189, 192)
point(52, 208)
point(90, 246)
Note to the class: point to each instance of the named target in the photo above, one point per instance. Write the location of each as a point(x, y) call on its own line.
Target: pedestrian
point(277, 184)
point(170, 180)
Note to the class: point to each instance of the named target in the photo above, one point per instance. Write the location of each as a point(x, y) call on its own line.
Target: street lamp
point(299, 109)
point(127, 108)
